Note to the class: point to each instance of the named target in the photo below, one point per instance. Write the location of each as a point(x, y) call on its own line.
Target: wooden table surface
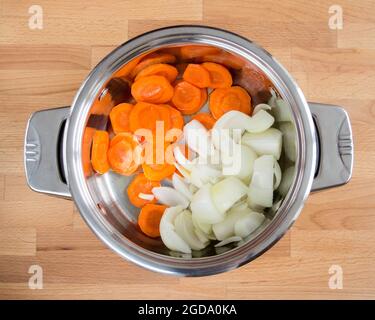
point(40, 69)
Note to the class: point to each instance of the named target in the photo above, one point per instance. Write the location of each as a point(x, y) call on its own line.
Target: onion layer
point(268, 142)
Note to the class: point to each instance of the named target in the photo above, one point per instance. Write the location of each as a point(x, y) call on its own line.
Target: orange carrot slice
point(158, 172)
point(223, 100)
point(153, 58)
point(141, 184)
point(187, 98)
point(197, 75)
point(149, 219)
point(124, 154)
point(153, 89)
point(220, 77)
point(119, 116)
point(99, 150)
point(159, 69)
point(145, 115)
point(206, 119)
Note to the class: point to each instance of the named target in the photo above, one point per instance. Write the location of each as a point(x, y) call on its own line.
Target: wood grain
point(41, 69)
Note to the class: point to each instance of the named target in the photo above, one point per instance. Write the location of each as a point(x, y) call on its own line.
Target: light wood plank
point(17, 241)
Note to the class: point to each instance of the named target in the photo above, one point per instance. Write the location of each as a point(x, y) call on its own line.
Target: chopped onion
point(183, 171)
point(203, 207)
point(167, 231)
point(181, 186)
point(277, 175)
point(228, 240)
point(203, 174)
point(225, 228)
point(286, 181)
point(185, 229)
point(289, 140)
point(146, 196)
point(234, 119)
point(227, 192)
point(198, 138)
point(280, 109)
point(181, 159)
point(240, 163)
point(201, 235)
point(170, 197)
point(206, 228)
point(261, 186)
point(261, 106)
point(247, 224)
point(268, 142)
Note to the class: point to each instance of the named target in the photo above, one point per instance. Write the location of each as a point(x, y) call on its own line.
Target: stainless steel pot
point(57, 144)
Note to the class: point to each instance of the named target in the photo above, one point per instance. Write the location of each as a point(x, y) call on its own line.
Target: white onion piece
point(227, 192)
point(185, 229)
point(205, 228)
point(146, 196)
point(198, 138)
point(261, 186)
point(203, 174)
point(240, 163)
point(228, 240)
point(193, 189)
point(234, 119)
point(248, 224)
point(186, 174)
point(201, 235)
point(203, 207)
point(286, 181)
point(181, 159)
point(280, 109)
point(289, 140)
point(277, 175)
point(267, 142)
point(167, 231)
point(181, 186)
point(225, 228)
point(240, 205)
point(261, 106)
point(170, 197)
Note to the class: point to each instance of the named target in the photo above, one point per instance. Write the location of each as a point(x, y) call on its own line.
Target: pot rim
point(293, 202)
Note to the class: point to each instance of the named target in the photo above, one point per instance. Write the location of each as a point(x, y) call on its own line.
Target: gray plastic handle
point(42, 152)
point(335, 156)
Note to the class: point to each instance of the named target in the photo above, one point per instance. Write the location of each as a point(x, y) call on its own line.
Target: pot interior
point(109, 190)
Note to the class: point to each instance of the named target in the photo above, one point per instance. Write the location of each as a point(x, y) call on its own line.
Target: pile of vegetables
point(225, 160)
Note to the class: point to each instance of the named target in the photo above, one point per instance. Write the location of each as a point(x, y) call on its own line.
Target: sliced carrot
point(153, 58)
point(187, 98)
point(158, 172)
point(197, 75)
point(159, 69)
point(153, 89)
point(220, 77)
point(124, 154)
point(196, 51)
point(204, 96)
point(128, 67)
point(206, 119)
point(159, 165)
point(120, 117)
point(99, 150)
point(223, 100)
point(145, 115)
point(141, 184)
point(176, 118)
point(149, 219)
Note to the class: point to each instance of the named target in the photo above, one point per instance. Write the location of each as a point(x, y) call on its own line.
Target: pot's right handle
point(43, 154)
point(335, 144)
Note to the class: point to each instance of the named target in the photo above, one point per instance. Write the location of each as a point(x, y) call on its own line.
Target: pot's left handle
point(43, 152)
